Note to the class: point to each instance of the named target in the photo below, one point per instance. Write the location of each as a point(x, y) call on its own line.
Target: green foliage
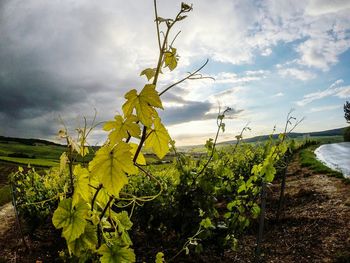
point(347, 111)
point(95, 190)
point(111, 166)
point(347, 134)
point(122, 128)
point(144, 104)
point(116, 253)
point(171, 58)
point(149, 73)
point(158, 139)
point(160, 257)
point(308, 159)
point(37, 194)
point(85, 243)
point(5, 194)
point(30, 161)
point(71, 219)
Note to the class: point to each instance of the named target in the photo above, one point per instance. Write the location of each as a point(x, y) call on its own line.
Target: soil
point(314, 227)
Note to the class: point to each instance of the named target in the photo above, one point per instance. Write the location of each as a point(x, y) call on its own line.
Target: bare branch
point(172, 42)
point(157, 23)
point(182, 80)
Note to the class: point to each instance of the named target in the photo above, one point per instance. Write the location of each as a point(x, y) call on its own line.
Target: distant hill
point(333, 132)
point(32, 142)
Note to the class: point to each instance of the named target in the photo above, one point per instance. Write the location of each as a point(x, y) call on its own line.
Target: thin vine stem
point(182, 80)
point(157, 23)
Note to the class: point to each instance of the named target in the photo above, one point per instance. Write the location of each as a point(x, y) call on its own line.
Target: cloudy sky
point(63, 59)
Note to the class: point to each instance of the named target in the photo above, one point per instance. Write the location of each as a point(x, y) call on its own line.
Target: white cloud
point(279, 94)
point(333, 90)
point(344, 93)
point(296, 73)
point(233, 78)
point(322, 7)
point(325, 108)
point(322, 52)
point(261, 73)
point(266, 52)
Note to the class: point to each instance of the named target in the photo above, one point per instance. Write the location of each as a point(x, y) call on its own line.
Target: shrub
point(347, 134)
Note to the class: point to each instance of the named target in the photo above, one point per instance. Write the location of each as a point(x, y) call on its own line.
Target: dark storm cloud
point(186, 110)
point(60, 59)
point(28, 94)
point(191, 111)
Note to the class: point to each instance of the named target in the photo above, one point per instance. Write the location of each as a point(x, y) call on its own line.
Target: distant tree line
point(347, 118)
point(347, 111)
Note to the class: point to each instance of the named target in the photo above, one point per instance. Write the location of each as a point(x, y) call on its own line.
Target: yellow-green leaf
point(81, 185)
point(71, 219)
point(206, 223)
point(143, 103)
point(140, 158)
point(170, 59)
point(158, 139)
point(63, 162)
point(122, 221)
point(122, 128)
point(149, 73)
point(116, 253)
point(111, 164)
point(87, 241)
point(160, 257)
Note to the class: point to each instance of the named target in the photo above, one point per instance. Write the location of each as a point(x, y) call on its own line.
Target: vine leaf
point(111, 164)
point(85, 242)
point(206, 223)
point(158, 139)
point(144, 104)
point(81, 185)
point(170, 59)
point(63, 162)
point(268, 170)
point(75, 146)
point(140, 158)
point(116, 253)
point(160, 257)
point(124, 224)
point(83, 149)
point(102, 198)
point(123, 221)
point(71, 219)
point(122, 128)
point(149, 73)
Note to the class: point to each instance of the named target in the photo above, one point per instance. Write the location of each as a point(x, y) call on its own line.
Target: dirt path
point(7, 217)
point(8, 234)
point(315, 226)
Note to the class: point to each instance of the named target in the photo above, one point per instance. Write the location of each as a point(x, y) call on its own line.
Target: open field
point(29, 161)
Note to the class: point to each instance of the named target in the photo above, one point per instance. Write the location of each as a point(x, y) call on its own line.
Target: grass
point(32, 162)
point(36, 151)
point(5, 194)
point(327, 139)
point(308, 159)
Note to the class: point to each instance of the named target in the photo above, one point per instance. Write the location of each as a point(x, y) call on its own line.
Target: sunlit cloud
point(296, 73)
point(279, 94)
point(325, 108)
point(333, 90)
